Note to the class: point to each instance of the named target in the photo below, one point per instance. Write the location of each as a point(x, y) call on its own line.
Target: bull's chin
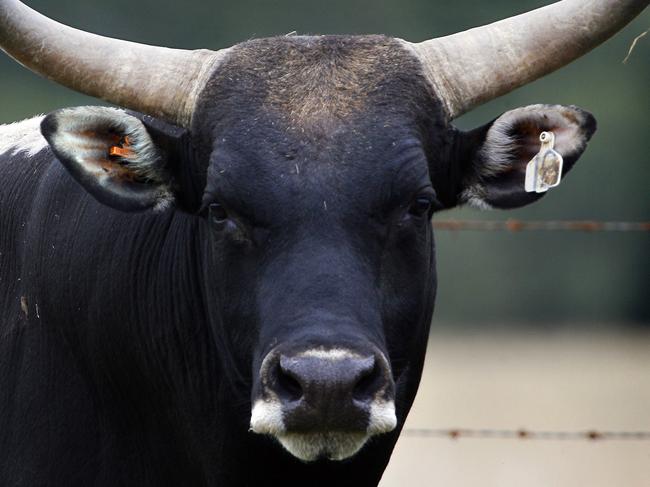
point(336, 446)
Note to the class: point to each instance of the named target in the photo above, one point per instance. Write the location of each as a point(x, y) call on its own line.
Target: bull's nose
point(317, 381)
point(324, 403)
point(331, 390)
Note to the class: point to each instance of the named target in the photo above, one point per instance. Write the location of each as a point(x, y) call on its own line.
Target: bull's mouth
point(267, 418)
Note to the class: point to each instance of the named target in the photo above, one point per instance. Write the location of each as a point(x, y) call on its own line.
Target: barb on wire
point(512, 225)
point(525, 434)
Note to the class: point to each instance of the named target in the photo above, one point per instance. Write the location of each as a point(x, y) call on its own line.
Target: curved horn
point(154, 80)
point(477, 65)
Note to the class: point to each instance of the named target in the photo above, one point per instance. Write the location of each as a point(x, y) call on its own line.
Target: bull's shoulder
point(25, 155)
point(22, 137)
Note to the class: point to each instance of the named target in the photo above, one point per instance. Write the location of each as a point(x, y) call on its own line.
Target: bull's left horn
point(154, 80)
point(475, 66)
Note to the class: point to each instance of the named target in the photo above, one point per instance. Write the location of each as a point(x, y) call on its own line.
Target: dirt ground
point(577, 382)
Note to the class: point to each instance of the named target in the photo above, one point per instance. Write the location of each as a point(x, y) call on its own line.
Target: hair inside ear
point(110, 153)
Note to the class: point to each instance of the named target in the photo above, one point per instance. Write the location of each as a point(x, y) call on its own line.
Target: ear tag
point(121, 150)
point(544, 171)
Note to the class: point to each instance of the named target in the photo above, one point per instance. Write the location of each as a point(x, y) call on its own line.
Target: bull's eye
point(217, 213)
point(420, 206)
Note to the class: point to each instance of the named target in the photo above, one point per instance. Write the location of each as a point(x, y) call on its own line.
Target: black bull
point(164, 290)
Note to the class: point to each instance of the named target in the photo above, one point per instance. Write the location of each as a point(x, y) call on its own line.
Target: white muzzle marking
point(267, 418)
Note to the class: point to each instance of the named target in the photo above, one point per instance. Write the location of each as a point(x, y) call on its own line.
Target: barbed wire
point(512, 225)
point(526, 434)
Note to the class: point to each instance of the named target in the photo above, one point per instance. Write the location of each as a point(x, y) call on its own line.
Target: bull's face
point(312, 179)
point(320, 198)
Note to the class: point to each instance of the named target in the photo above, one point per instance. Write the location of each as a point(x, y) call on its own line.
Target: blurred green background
point(547, 280)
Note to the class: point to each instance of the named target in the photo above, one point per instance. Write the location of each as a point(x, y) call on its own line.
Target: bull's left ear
point(112, 155)
point(494, 157)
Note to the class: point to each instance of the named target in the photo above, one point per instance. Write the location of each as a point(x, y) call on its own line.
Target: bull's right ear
point(112, 155)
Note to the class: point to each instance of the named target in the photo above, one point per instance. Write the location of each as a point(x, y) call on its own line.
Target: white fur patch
point(266, 416)
point(334, 354)
point(22, 136)
point(473, 196)
point(382, 417)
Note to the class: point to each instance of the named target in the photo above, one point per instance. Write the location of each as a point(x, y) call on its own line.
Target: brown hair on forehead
point(308, 80)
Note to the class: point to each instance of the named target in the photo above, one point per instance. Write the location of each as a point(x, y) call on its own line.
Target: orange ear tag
point(121, 150)
point(544, 171)
point(118, 151)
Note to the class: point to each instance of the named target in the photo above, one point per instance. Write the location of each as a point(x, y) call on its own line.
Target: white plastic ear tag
point(545, 169)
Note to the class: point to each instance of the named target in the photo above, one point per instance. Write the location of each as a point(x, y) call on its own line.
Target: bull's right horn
point(154, 80)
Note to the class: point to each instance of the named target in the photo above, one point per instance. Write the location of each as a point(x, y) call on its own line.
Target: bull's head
point(312, 167)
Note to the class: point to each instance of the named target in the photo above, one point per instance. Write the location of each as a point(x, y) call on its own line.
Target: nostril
point(288, 387)
point(368, 383)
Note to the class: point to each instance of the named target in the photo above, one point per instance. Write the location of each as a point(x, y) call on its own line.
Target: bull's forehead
point(312, 83)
